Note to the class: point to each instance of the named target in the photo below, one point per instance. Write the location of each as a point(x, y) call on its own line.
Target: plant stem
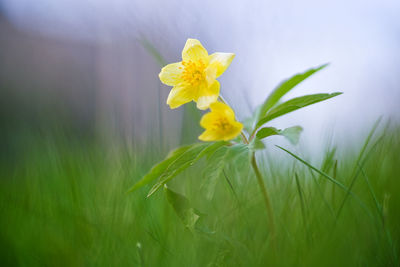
point(266, 198)
point(260, 183)
point(244, 137)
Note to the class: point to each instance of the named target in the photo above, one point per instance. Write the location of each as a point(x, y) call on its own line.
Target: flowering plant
point(194, 79)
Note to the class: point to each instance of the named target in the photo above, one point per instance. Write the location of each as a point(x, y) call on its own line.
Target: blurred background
point(82, 64)
point(83, 116)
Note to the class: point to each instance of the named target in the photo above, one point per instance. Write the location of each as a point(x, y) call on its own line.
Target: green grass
point(64, 203)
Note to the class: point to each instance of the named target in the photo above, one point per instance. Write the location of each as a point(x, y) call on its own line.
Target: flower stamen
point(222, 123)
point(193, 72)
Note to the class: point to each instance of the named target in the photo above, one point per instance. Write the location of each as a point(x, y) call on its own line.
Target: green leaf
point(333, 180)
point(188, 215)
point(248, 124)
point(359, 163)
point(283, 88)
point(267, 131)
point(256, 144)
point(239, 156)
point(237, 150)
point(184, 161)
point(216, 164)
point(212, 148)
point(160, 168)
point(294, 104)
point(292, 133)
point(213, 170)
point(170, 162)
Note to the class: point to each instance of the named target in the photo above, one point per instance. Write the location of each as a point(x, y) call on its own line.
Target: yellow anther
point(193, 72)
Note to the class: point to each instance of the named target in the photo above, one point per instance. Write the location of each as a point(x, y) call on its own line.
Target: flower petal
point(208, 95)
point(179, 96)
point(210, 135)
point(220, 123)
point(235, 131)
point(171, 73)
point(211, 74)
point(204, 102)
point(223, 109)
point(221, 61)
point(208, 120)
point(194, 51)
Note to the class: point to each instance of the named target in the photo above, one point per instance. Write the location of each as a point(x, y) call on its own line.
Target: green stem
point(265, 196)
point(244, 137)
point(260, 183)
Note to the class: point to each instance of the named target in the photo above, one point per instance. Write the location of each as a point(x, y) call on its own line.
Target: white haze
point(272, 40)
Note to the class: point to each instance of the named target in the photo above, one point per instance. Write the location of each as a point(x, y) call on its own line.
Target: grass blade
point(153, 51)
point(356, 172)
point(315, 169)
point(377, 204)
point(302, 206)
point(327, 177)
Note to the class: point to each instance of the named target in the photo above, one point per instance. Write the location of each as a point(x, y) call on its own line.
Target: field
point(64, 202)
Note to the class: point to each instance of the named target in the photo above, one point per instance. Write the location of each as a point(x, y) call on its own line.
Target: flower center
point(222, 123)
point(193, 72)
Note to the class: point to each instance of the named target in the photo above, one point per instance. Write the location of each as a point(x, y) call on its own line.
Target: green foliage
point(294, 104)
point(273, 108)
point(283, 88)
point(177, 161)
point(217, 154)
point(214, 168)
point(182, 207)
point(62, 202)
point(66, 205)
point(183, 161)
point(267, 131)
point(325, 175)
point(292, 133)
point(162, 167)
point(221, 154)
point(333, 180)
point(256, 144)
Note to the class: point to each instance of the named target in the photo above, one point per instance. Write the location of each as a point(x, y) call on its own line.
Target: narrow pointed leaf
point(283, 88)
point(175, 161)
point(213, 170)
point(256, 144)
point(218, 161)
point(183, 162)
point(291, 133)
point(188, 215)
point(160, 167)
point(248, 124)
point(267, 131)
point(333, 180)
point(294, 104)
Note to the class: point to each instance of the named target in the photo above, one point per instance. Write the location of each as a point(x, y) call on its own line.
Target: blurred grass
point(63, 202)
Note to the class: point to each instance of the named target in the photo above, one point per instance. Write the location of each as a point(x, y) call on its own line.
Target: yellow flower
point(194, 78)
point(220, 123)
